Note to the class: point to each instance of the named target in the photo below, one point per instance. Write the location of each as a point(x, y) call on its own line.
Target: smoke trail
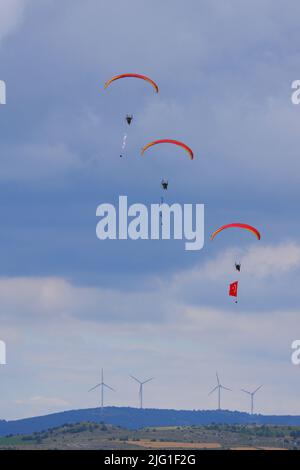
point(124, 141)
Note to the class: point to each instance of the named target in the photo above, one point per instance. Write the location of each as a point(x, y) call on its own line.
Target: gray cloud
point(69, 303)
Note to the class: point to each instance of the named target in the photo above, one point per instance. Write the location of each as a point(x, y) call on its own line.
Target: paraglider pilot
point(238, 266)
point(164, 184)
point(129, 118)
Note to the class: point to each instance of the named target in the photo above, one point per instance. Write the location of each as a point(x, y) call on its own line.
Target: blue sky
point(70, 304)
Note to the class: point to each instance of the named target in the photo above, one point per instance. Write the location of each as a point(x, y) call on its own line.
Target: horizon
point(199, 410)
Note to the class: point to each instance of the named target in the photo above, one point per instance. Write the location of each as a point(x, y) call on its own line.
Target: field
point(213, 437)
point(174, 445)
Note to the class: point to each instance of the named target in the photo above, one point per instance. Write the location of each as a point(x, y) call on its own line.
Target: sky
point(71, 304)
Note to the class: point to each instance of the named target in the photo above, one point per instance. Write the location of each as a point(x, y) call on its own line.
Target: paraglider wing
point(237, 225)
point(132, 75)
point(169, 141)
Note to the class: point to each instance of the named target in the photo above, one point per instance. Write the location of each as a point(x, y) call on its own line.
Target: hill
point(134, 418)
point(94, 436)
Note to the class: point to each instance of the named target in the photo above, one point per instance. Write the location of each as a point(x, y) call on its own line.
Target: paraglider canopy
point(169, 141)
point(237, 225)
point(132, 75)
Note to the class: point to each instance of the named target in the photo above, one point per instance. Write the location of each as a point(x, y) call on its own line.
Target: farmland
point(88, 435)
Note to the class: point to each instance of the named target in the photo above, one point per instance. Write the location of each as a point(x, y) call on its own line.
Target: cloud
point(157, 300)
point(68, 302)
point(41, 298)
point(48, 161)
point(272, 261)
point(44, 402)
point(11, 15)
point(242, 110)
point(228, 99)
point(62, 357)
point(36, 405)
point(268, 278)
point(258, 261)
point(64, 329)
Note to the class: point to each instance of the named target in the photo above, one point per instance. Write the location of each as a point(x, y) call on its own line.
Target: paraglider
point(169, 141)
point(129, 117)
point(234, 286)
point(131, 75)
point(164, 183)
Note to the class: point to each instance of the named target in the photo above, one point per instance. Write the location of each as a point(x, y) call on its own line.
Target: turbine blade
point(245, 391)
point(134, 378)
point(226, 388)
point(218, 378)
point(258, 388)
point(148, 380)
point(107, 386)
point(213, 390)
point(93, 388)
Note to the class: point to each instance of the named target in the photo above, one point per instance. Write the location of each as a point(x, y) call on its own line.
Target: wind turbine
point(219, 387)
point(252, 396)
point(141, 388)
point(102, 385)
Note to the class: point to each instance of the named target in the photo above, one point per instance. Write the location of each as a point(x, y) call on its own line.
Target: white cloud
point(156, 303)
point(272, 260)
point(64, 357)
point(11, 12)
point(56, 297)
point(258, 261)
point(36, 405)
point(66, 333)
point(44, 401)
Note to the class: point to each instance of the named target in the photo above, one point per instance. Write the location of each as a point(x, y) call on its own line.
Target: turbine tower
point(252, 396)
point(141, 388)
point(102, 385)
point(219, 387)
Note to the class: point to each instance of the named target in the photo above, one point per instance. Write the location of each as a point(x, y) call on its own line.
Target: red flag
point(233, 289)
